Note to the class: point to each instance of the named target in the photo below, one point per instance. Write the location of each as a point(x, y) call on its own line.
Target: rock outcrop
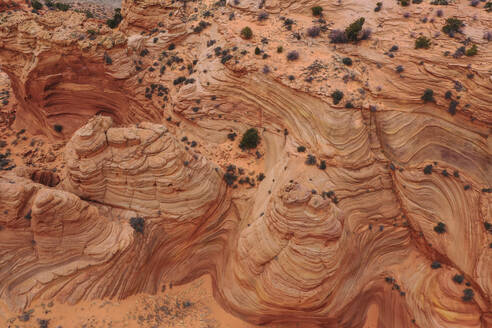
point(367, 201)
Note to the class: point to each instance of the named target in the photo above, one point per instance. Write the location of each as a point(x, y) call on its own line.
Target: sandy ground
point(190, 305)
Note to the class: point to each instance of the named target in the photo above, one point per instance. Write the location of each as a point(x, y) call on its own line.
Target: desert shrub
point(428, 95)
point(422, 42)
point(313, 31)
point(440, 2)
point(472, 51)
point(399, 69)
point(366, 34)
point(337, 96)
point(116, 20)
point(448, 94)
point(453, 25)
point(435, 265)
point(107, 59)
point(262, 16)
point(404, 3)
point(58, 128)
point(488, 6)
point(89, 14)
point(322, 165)
point(246, 33)
point(257, 51)
point(301, 149)
point(488, 35)
point(440, 228)
point(416, 1)
point(317, 10)
point(349, 105)
point(250, 139)
point(293, 55)
point(379, 5)
point(347, 61)
point(43, 323)
point(352, 31)
point(337, 36)
point(36, 4)
point(280, 49)
point(474, 3)
point(137, 224)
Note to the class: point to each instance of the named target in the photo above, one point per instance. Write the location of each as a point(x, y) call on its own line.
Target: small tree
point(246, 33)
point(58, 128)
point(467, 295)
point(472, 51)
point(317, 11)
point(337, 96)
point(36, 4)
point(440, 228)
point(250, 139)
point(116, 20)
point(352, 31)
point(422, 43)
point(428, 96)
point(458, 278)
point(137, 224)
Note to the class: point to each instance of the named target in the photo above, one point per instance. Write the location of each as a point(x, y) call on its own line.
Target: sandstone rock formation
point(375, 209)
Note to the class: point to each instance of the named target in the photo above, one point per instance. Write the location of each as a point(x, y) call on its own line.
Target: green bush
point(453, 25)
point(317, 11)
point(36, 4)
point(62, 6)
point(422, 43)
point(347, 61)
point(246, 33)
point(250, 139)
point(472, 51)
point(352, 31)
point(257, 51)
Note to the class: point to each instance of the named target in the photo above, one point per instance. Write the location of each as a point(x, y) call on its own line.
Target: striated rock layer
point(372, 211)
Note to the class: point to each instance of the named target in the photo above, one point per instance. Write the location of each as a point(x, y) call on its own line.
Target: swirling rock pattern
point(375, 211)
